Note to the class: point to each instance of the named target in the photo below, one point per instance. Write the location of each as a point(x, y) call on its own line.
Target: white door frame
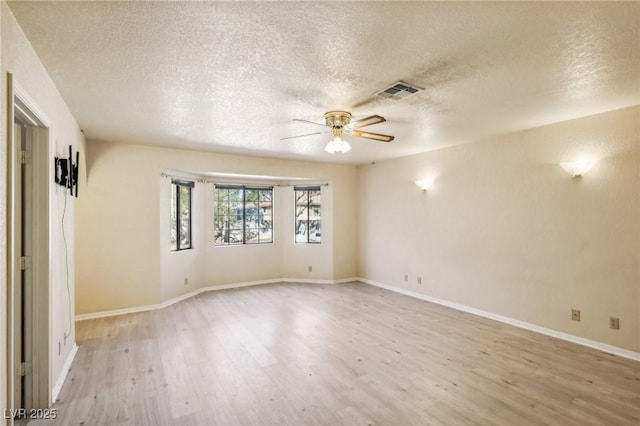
point(39, 379)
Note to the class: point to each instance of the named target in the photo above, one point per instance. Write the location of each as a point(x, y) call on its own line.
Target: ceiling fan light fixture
point(337, 144)
point(339, 124)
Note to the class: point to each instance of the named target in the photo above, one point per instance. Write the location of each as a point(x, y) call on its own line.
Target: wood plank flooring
point(347, 354)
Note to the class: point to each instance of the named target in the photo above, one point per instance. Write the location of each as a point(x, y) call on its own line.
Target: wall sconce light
point(424, 184)
point(578, 168)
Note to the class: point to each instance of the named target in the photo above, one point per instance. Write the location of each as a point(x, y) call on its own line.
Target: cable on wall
point(66, 263)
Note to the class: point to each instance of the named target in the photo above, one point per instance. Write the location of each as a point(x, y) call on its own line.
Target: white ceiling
point(230, 76)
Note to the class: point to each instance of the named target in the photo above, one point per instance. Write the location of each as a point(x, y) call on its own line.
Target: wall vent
point(399, 91)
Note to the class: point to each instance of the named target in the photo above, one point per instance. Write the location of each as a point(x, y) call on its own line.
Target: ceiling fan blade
point(302, 136)
point(368, 121)
point(374, 136)
point(299, 120)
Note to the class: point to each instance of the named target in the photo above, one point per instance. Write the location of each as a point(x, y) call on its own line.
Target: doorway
point(28, 254)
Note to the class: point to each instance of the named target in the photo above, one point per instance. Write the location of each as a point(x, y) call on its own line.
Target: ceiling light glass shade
point(337, 144)
point(578, 168)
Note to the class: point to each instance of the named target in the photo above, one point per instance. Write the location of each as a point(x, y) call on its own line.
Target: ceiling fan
point(339, 123)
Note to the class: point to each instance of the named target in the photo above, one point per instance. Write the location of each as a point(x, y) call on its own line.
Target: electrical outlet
point(419, 280)
point(614, 323)
point(406, 278)
point(310, 268)
point(575, 314)
point(186, 281)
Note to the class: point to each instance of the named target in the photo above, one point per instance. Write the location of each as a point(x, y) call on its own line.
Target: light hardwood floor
point(347, 354)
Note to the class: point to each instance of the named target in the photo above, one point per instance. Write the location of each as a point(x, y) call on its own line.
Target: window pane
point(314, 205)
point(314, 231)
point(252, 235)
point(314, 197)
point(235, 232)
point(301, 198)
point(235, 196)
point(251, 197)
point(222, 212)
point(220, 231)
point(266, 198)
point(301, 231)
point(266, 235)
point(185, 217)
point(180, 216)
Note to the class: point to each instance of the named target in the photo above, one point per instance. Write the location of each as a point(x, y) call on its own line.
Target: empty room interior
point(320, 213)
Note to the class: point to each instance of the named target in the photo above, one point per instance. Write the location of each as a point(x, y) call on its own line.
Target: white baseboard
point(114, 312)
point(346, 280)
point(57, 387)
point(170, 302)
point(312, 281)
point(511, 321)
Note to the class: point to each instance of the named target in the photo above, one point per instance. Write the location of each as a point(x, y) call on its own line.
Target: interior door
point(23, 353)
point(18, 354)
point(28, 247)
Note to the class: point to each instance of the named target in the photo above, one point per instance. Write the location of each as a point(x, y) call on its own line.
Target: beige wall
point(506, 230)
point(123, 256)
point(117, 232)
point(18, 58)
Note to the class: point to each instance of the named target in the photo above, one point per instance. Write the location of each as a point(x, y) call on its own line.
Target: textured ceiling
point(230, 76)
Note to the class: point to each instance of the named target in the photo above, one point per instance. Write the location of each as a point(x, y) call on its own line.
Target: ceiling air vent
point(399, 91)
